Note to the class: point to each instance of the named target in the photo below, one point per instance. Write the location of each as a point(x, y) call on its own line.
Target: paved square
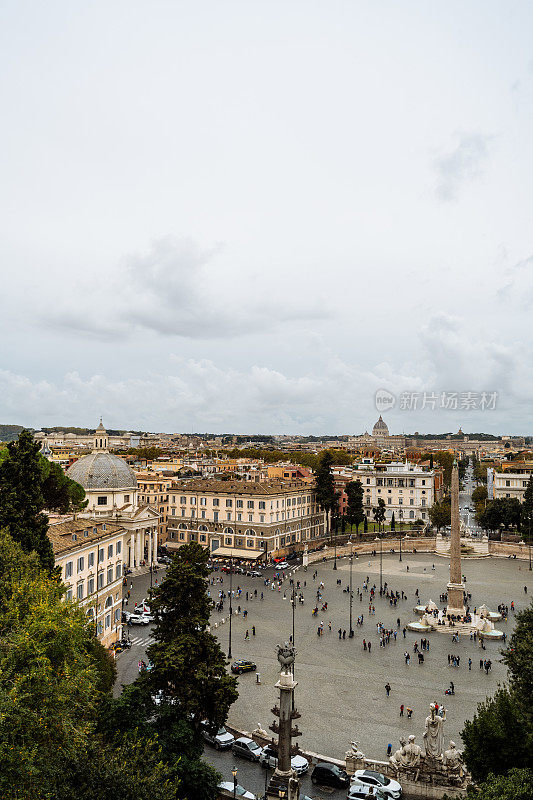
point(341, 694)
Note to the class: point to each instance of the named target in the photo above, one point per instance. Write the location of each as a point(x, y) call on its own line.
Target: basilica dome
point(380, 428)
point(102, 470)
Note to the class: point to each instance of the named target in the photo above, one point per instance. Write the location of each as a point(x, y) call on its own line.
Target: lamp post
point(335, 544)
point(230, 604)
point(234, 773)
point(351, 592)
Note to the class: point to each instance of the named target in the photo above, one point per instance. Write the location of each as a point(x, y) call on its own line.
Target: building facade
point(243, 519)
point(510, 480)
point(90, 556)
point(152, 489)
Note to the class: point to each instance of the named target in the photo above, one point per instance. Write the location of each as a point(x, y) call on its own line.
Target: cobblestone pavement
point(341, 693)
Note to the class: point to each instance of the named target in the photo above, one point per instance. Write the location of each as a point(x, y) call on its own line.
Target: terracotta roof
point(61, 534)
point(273, 486)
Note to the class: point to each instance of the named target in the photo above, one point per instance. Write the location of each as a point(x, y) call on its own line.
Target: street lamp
point(351, 592)
point(335, 543)
point(230, 604)
point(234, 773)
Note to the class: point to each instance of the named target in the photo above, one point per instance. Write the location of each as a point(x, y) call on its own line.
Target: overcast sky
point(251, 216)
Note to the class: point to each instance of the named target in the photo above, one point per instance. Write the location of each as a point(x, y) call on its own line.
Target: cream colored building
point(90, 556)
point(111, 490)
point(509, 483)
point(152, 490)
point(408, 491)
point(244, 519)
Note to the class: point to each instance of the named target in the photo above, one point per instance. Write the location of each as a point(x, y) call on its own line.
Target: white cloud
point(461, 165)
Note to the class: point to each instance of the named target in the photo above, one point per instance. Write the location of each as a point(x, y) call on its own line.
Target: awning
point(233, 552)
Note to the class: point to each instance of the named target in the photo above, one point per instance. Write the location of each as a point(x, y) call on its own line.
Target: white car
point(235, 791)
point(365, 793)
point(138, 619)
point(282, 565)
point(220, 738)
point(269, 757)
point(367, 777)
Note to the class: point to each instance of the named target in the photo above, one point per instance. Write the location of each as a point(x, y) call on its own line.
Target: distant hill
point(10, 432)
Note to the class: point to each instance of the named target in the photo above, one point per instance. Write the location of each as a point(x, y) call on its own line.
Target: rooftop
point(69, 535)
point(273, 486)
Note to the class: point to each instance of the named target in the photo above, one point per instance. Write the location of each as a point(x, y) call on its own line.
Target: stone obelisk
point(455, 587)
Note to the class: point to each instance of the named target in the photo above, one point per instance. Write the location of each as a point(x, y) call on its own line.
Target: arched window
point(182, 526)
point(228, 530)
point(109, 602)
point(250, 532)
point(203, 528)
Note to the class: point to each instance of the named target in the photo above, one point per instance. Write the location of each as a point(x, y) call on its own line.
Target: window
point(411, 482)
point(216, 501)
point(118, 547)
point(262, 504)
point(118, 571)
point(193, 501)
point(100, 580)
point(110, 574)
point(227, 540)
point(228, 515)
point(90, 560)
point(126, 498)
point(99, 628)
point(389, 501)
point(182, 535)
point(68, 569)
point(203, 537)
point(203, 501)
point(249, 543)
point(261, 517)
point(215, 516)
point(240, 503)
point(229, 503)
point(117, 614)
point(239, 516)
point(102, 501)
point(100, 555)
point(90, 586)
point(411, 501)
point(423, 483)
point(110, 551)
point(81, 564)
point(202, 513)
point(108, 620)
point(250, 504)
point(251, 517)
point(507, 483)
point(79, 591)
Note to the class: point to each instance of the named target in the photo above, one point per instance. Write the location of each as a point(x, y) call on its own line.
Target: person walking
point(389, 750)
point(469, 663)
point(401, 710)
point(253, 630)
point(387, 688)
point(369, 645)
point(247, 635)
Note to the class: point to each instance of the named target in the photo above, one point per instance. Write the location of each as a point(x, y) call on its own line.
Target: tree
point(494, 738)
point(325, 485)
point(365, 524)
point(22, 501)
point(393, 522)
point(527, 508)
point(379, 511)
point(355, 514)
point(479, 495)
point(516, 785)
point(60, 493)
point(518, 657)
point(440, 513)
point(188, 664)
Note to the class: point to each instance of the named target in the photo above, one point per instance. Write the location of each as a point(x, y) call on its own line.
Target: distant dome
point(380, 428)
point(102, 470)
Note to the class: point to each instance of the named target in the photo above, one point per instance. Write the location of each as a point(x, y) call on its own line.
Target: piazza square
point(341, 687)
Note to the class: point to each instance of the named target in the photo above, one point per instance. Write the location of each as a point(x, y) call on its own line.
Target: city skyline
point(253, 217)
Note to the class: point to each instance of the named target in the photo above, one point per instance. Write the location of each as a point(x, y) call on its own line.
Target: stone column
point(155, 545)
point(139, 548)
point(149, 546)
point(455, 587)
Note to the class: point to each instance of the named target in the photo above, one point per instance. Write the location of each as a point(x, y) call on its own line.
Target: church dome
point(102, 470)
point(380, 428)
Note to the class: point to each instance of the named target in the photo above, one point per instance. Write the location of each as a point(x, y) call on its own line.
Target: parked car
point(366, 777)
point(330, 775)
point(246, 748)
point(365, 793)
point(138, 619)
point(218, 737)
point(243, 666)
point(269, 758)
point(236, 790)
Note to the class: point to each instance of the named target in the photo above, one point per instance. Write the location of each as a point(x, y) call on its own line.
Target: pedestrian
point(389, 749)
point(469, 663)
point(247, 635)
point(340, 633)
point(481, 663)
point(401, 710)
point(364, 644)
point(253, 630)
point(387, 688)
point(369, 645)
point(344, 634)
point(409, 710)
point(525, 589)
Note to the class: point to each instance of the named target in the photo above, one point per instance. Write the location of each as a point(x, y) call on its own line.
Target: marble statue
point(260, 731)
point(407, 757)
point(453, 761)
point(434, 733)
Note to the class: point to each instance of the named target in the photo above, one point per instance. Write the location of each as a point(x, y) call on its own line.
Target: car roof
point(245, 739)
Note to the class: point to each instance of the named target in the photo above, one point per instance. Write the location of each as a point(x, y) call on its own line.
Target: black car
point(243, 666)
point(330, 775)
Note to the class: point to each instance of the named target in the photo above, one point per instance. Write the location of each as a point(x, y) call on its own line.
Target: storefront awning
point(233, 552)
